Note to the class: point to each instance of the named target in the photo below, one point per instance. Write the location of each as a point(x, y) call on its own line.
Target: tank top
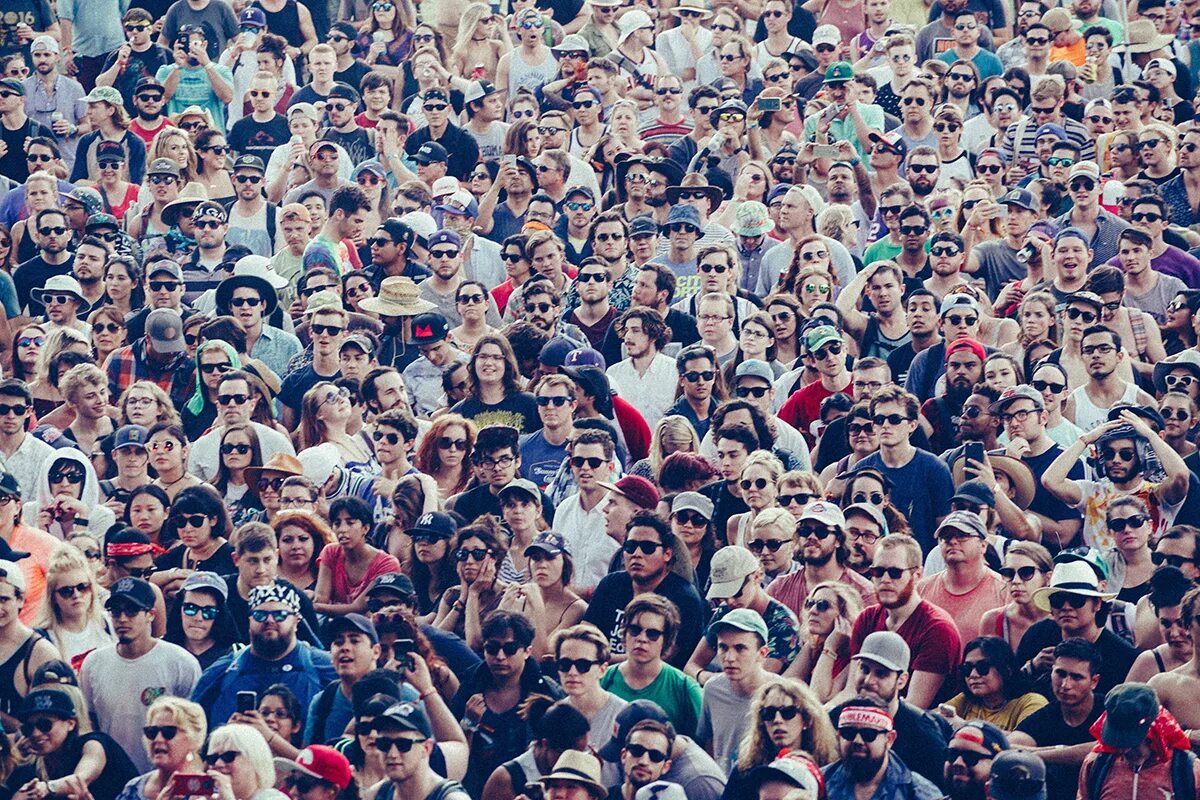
point(10, 698)
point(1088, 415)
point(286, 22)
point(531, 76)
point(849, 21)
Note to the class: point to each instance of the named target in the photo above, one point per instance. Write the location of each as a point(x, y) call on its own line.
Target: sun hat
point(398, 297)
point(1071, 577)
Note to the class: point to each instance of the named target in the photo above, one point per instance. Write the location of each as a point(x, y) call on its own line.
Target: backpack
point(444, 789)
point(324, 705)
point(1182, 778)
point(271, 209)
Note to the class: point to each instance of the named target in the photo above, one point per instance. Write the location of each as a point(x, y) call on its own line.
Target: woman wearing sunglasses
point(1179, 331)
point(994, 688)
point(325, 414)
point(173, 735)
point(26, 344)
point(212, 167)
point(387, 39)
point(1129, 522)
point(784, 714)
point(68, 498)
point(72, 616)
point(347, 567)
point(240, 450)
point(199, 620)
point(1026, 569)
point(201, 522)
point(829, 613)
point(868, 485)
point(758, 481)
point(108, 331)
point(472, 302)
point(478, 549)
point(66, 759)
point(213, 359)
point(445, 453)
point(240, 762)
point(863, 439)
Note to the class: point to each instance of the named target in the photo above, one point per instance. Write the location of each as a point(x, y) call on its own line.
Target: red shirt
point(930, 633)
point(804, 406)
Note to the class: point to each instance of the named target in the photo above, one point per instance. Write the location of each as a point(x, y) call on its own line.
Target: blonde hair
point(807, 481)
point(902, 541)
point(817, 739)
point(65, 559)
point(166, 409)
point(158, 149)
point(675, 431)
point(583, 632)
point(775, 517)
point(189, 718)
point(767, 460)
point(251, 745)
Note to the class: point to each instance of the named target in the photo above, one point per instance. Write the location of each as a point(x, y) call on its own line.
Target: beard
point(270, 649)
point(862, 767)
point(656, 202)
point(816, 561)
point(151, 115)
point(1051, 193)
point(966, 791)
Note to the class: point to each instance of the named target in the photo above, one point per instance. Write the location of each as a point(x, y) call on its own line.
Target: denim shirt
point(899, 783)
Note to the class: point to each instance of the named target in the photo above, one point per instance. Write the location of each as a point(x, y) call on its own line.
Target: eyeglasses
point(67, 476)
point(1060, 599)
point(210, 225)
point(834, 349)
point(1171, 560)
point(1122, 453)
point(1118, 524)
point(67, 592)
point(757, 546)
point(694, 376)
point(163, 286)
point(158, 180)
point(435, 106)
point(969, 757)
point(717, 268)
point(890, 419)
point(908, 101)
point(443, 253)
point(914, 230)
point(757, 392)
point(494, 648)
point(980, 668)
point(309, 291)
point(41, 725)
point(274, 484)
point(644, 546)
point(1178, 414)
point(961, 319)
point(580, 665)
point(474, 554)
point(856, 428)
point(651, 634)
point(167, 732)
point(1145, 216)
point(240, 449)
point(492, 463)
point(693, 518)
point(190, 520)
point(208, 613)
point(868, 735)
point(894, 573)
point(593, 462)
point(1102, 349)
point(251, 179)
point(1079, 313)
point(799, 498)
point(41, 158)
point(55, 230)
point(232, 399)
point(541, 308)
point(757, 483)
point(1024, 573)
point(384, 744)
point(820, 532)
point(557, 401)
point(280, 615)
point(326, 330)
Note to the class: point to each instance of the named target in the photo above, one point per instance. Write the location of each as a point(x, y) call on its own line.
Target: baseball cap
point(206, 580)
point(48, 701)
point(163, 166)
point(396, 582)
point(253, 18)
point(477, 90)
point(952, 301)
point(820, 336)
point(133, 590)
point(640, 491)
point(642, 226)
point(431, 152)
point(361, 342)
point(839, 72)
point(692, 501)
point(130, 436)
point(164, 326)
point(13, 84)
point(965, 521)
point(437, 523)
point(1129, 711)
point(584, 357)
point(249, 162)
point(869, 511)
point(826, 34)
point(637, 711)
point(521, 485)
point(823, 512)
point(975, 491)
point(970, 345)
point(790, 769)
point(409, 717)
point(754, 368)
point(318, 761)
point(554, 352)
point(445, 236)
point(730, 567)
point(1022, 197)
point(1017, 775)
point(741, 619)
point(892, 140)
point(47, 44)
point(165, 266)
point(887, 649)
point(352, 622)
point(547, 542)
point(343, 91)
point(1022, 392)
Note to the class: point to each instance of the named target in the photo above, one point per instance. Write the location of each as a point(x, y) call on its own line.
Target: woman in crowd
point(551, 606)
point(145, 404)
point(66, 759)
point(240, 450)
point(867, 485)
point(1026, 569)
point(470, 300)
point(108, 331)
point(478, 549)
point(386, 40)
point(68, 497)
point(27, 343)
point(347, 568)
point(477, 48)
point(116, 190)
point(784, 714)
point(756, 340)
point(434, 567)
point(110, 125)
point(302, 536)
point(1179, 331)
point(41, 192)
point(523, 140)
point(1002, 371)
point(863, 438)
point(147, 512)
point(786, 315)
point(1036, 316)
point(213, 166)
point(445, 453)
point(199, 620)
point(201, 522)
point(178, 752)
point(993, 687)
point(692, 526)
point(829, 612)
point(46, 396)
point(73, 615)
point(522, 513)
point(278, 719)
point(672, 434)
point(1129, 521)
point(325, 417)
point(213, 359)
point(168, 446)
point(356, 288)
point(240, 761)
point(1167, 589)
point(759, 480)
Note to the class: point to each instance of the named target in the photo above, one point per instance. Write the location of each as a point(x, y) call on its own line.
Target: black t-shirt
point(12, 163)
point(1116, 655)
point(474, 503)
point(140, 65)
point(220, 562)
point(248, 136)
point(34, 13)
point(517, 410)
point(300, 381)
point(357, 143)
point(1047, 727)
point(462, 147)
point(607, 609)
point(33, 274)
point(239, 610)
point(118, 769)
point(353, 74)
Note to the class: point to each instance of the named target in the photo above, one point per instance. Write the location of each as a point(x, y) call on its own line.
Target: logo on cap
point(423, 330)
point(425, 519)
point(305, 757)
point(43, 702)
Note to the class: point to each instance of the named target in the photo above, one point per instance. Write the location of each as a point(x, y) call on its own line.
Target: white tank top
point(532, 77)
point(1088, 415)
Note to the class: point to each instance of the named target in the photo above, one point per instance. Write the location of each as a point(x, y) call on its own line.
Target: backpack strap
point(1183, 777)
point(324, 705)
point(445, 789)
point(1097, 773)
point(516, 775)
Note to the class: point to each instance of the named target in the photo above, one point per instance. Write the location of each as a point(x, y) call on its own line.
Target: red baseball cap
point(318, 761)
point(639, 490)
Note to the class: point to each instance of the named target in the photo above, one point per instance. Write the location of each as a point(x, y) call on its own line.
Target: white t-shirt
point(119, 690)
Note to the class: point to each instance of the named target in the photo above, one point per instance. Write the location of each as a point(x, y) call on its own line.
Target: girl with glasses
point(477, 552)
point(471, 302)
point(240, 449)
point(200, 521)
point(347, 567)
point(829, 613)
point(759, 490)
point(1130, 526)
point(240, 761)
point(784, 714)
point(994, 689)
point(27, 342)
point(756, 341)
point(71, 614)
point(145, 403)
point(213, 359)
point(187, 725)
point(445, 453)
point(872, 486)
point(1026, 569)
point(118, 193)
point(301, 536)
point(68, 497)
point(863, 438)
point(786, 314)
point(199, 620)
point(108, 331)
point(1180, 329)
point(213, 164)
point(386, 40)
point(278, 718)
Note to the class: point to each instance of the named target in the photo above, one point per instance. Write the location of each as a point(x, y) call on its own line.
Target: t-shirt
point(607, 611)
point(140, 65)
point(356, 142)
point(998, 265)
point(1007, 717)
point(33, 274)
point(931, 635)
point(921, 490)
point(1116, 655)
point(1045, 503)
point(299, 381)
point(540, 459)
point(119, 690)
point(783, 630)
point(804, 407)
point(216, 18)
point(966, 609)
point(220, 562)
point(34, 13)
point(195, 89)
point(1047, 727)
point(723, 719)
point(517, 410)
point(13, 164)
point(672, 691)
point(248, 136)
point(118, 769)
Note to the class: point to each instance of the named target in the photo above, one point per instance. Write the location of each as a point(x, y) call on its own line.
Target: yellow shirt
point(1007, 717)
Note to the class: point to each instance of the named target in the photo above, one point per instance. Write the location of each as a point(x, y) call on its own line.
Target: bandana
point(213, 211)
point(275, 593)
point(131, 550)
point(865, 717)
point(1164, 736)
point(195, 405)
point(1151, 466)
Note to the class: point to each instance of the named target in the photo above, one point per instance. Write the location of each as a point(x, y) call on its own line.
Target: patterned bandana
point(865, 717)
point(275, 593)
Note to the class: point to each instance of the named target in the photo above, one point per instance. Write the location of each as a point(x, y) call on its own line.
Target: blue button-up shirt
point(66, 98)
point(275, 348)
point(840, 786)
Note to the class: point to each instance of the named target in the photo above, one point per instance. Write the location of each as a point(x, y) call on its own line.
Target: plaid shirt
point(128, 364)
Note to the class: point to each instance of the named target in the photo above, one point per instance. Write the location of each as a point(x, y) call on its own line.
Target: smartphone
point(974, 451)
point(403, 650)
point(535, 791)
point(247, 701)
point(830, 112)
point(825, 151)
point(508, 160)
point(770, 103)
point(188, 785)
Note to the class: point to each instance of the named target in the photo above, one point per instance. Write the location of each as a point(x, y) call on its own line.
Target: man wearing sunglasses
point(53, 258)
point(867, 735)
point(823, 351)
point(1152, 214)
point(275, 655)
point(15, 128)
point(406, 736)
point(459, 145)
point(136, 61)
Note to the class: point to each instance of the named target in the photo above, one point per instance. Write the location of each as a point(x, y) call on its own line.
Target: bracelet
point(427, 694)
point(827, 652)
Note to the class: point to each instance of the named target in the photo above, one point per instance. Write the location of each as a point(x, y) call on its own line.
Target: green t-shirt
point(675, 693)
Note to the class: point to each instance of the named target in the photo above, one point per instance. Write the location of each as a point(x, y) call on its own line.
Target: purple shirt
point(1175, 262)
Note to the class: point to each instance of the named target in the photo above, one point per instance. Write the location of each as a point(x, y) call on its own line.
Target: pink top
point(966, 609)
point(849, 21)
point(334, 557)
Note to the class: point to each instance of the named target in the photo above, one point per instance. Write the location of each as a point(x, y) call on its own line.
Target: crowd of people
point(599, 399)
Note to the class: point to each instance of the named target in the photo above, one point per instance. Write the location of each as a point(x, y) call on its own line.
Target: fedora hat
point(580, 768)
point(398, 297)
point(279, 462)
point(1019, 475)
point(253, 272)
point(692, 5)
point(1142, 37)
point(1071, 577)
point(62, 284)
point(192, 194)
point(1189, 359)
point(695, 182)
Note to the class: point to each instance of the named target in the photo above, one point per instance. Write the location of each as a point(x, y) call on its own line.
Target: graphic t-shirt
point(517, 410)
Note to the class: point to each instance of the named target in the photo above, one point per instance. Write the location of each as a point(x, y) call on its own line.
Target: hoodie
point(100, 518)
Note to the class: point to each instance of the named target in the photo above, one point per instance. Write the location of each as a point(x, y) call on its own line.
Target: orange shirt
point(1075, 53)
point(39, 545)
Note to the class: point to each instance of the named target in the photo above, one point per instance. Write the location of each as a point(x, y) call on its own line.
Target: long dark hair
point(224, 632)
point(997, 651)
point(221, 479)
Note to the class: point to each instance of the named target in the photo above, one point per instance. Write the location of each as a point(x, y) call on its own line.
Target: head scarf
point(195, 405)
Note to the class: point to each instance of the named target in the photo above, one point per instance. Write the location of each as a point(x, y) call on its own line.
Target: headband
point(275, 593)
point(865, 716)
point(131, 549)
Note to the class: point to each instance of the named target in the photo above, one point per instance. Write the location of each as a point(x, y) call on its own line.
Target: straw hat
point(1019, 475)
point(190, 195)
point(1142, 37)
point(398, 297)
